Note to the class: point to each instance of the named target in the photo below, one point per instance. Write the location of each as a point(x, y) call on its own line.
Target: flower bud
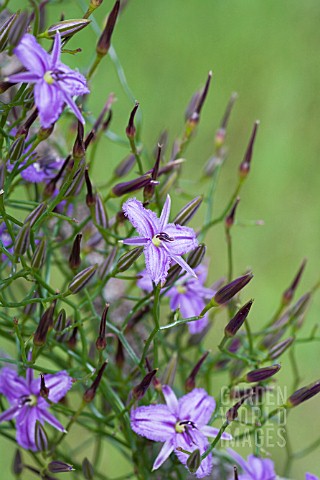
point(72, 342)
point(173, 274)
point(194, 118)
point(4, 30)
point(149, 189)
point(125, 166)
point(82, 278)
point(101, 216)
point(22, 240)
point(188, 211)
point(59, 467)
point(227, 113)
point(261, 374)
point(78, 147)
point(101, 340)
point(246, 162)
point(128, 259)
point(192, 105)
point(131, 129)
point(196, 256)
point(60, 322)
point(16, 149)
point(233, 412)
point(20, 27)
point(105, 38)
point(194, 461)
point(90, 197)
point(303, 394)
point(288, 294)
point(87, 470)
point(41, 438)
point(139, 391)
point(45, 133)
point(90, 393)
point(17, 465)
point(279, 348)
point(35, 214)
point(213, 163)
point(119, 358)
point(74, 259)
point(133, 185)
point(237, 321)
point(106, 266)
point(231, 289)
point(45, 323)
point(39, 255)
point(190, 383)
point(65, 28)
point(229, 220)
point(76, 181)
point(235, 473)
point(172, 165)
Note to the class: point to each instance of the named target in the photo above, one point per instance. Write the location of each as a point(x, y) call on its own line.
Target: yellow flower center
point(48, 78)
point(181, 289)
point(156, 241)
point(181, 426)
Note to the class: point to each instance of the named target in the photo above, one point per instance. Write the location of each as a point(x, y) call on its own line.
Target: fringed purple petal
point(49, 102)
point(171, 400)
point(32, 55)
point(197, 406)
point(164, 453)
point(72, 82)
point(26, 424)
point(56, 51)
point(190, 441)
point(183, 264)
point(185, 239)
point(73, 106)
point(11, 385)
point(164, 218)
point(157, 263)
point(154, 422)
point(144, 221)
point(9, 414)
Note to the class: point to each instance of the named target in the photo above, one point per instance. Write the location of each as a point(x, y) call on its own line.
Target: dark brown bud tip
point(139, 391)
point(262, 374)
point(133, 185)
point(90, 197)
point(231, 289)
point(233, 412)
point(45, 323)
point(131, 129)
point(101, 340)
point(229, 220)
point(304, 394)
point(191, 380)
point(288, 294)
point(246, 162)
point(78, 147)
point(59, 467)
point(44, 391)
point(90, 393)
point(105, 39)
point(235, 473)
point(238, 320)
point(119, 355)
point(74, 259)
point(196, 115)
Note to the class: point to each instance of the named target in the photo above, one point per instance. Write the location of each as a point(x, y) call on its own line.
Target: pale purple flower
point(163, 242)
point(188, 294)
point(26, 404)
point(6, 240)
point(309, 476)
point(55, 83)
point(254, 468)
point(179, 423)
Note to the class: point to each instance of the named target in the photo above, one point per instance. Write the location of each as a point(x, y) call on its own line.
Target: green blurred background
point(268, 52)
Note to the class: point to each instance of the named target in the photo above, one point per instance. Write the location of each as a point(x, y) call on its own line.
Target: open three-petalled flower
point(55, 83)
point(179, 423)
point(163, 242)
point(26, 404)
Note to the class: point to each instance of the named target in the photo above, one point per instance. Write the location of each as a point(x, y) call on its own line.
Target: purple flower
point(179, 423)
point(188, 294)
point(6, 240)
point(309, 476)
point(26, 405)
point(163, 242)
point(255, 468)
point(55, 83)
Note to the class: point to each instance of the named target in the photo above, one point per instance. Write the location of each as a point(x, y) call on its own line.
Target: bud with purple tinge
point(303, 394)
point(105, 38)
point(74, 259)
point(41, 437)
point(82, 278)
point(65, 28)
point(128, 259)
point(90, 393)
point(90, 197)
point(101, 217)
point(233, 412)
point(261, 374)
point(188, 211)
point(39, 255)
point(229, 220)
point(125, 166)
point(101, 340)
point(17, 465)
point(78, 147)
point(139, 391)
point(44, 390)
point(5, 29)
point(231, 289)
point(195, 116)
point(279, 348)
point(131, 129)
point(16, 149)
point(288, 294)
point(87, 469)
point(59, 467)
point(246, 162)
point(238, 320)
point(196, 256)
point(190, 383)
point(132, 185)
point(107, 265)
point(20, 27)
point(45, 323)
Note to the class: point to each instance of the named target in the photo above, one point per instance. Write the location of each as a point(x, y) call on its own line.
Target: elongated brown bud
point(288, 294)
point(87, 469)
point(188, 211)
point(246, 162)
point(5, 29)
point(60, 322)
point(35, 214)
point(39, 255)
point(78, 147)
point(16, 149)
point(148, 191)
point(128, 259)
point(235, 473)
point(22, 240)
point(233, 412)
point(194, 460)
point(231, 289)
point(229, 220)
point(139, 391)
point(131, 129)
point(17, 465)
point(97, 124)
point(107, 265)
point(279, 348)
point(74, 259)
point(261, 374)
point(190, 383)
point(82, 278)
point(196, 256)
point(90, 393)
point(45, 323)
point(20, 27)
point(125, 166)
point(133, 185)
point(194, 118)
point(119, 358)
point(41, 437)
point(303, 394)
point(100, 212)
point(59, 467)
point(76, 181)
point(65, 28)
point(101, 342)
point(90, 197)
point(72, 342)
point(105, 39)
point(238, 320)
point(44, 390)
